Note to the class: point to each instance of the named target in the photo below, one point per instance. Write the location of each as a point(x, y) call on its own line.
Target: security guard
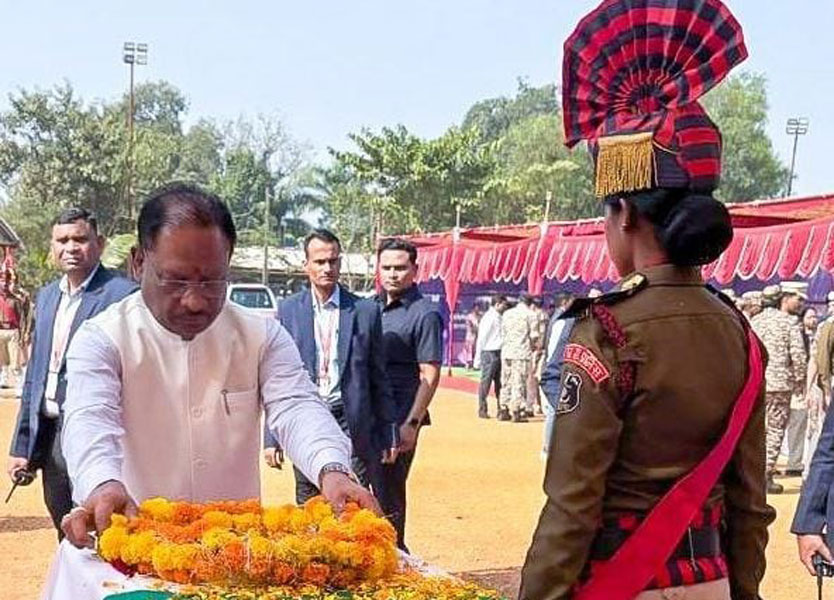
point(779, 329)
point(655, 478)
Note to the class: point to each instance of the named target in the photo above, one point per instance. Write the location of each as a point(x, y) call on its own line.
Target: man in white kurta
point(166, 388)
point(180, 419)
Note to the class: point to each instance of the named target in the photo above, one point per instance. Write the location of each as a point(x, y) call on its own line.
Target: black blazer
point(370, 411)
point(105, 288)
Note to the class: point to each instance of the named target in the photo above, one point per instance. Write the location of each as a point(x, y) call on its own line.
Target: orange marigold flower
point(282, 573)
point(316, 573)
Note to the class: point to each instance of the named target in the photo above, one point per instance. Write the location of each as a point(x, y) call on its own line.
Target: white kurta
point(181, 419)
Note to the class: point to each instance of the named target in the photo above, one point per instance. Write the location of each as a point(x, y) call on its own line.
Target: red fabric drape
point(578, 252)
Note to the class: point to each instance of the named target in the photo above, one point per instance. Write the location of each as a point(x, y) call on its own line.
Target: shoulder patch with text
point(582, 357)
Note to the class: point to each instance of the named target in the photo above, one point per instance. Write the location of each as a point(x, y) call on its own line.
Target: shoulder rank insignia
point(627, 288)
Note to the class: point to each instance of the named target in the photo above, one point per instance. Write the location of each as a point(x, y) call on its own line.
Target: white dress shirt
point(490, 337)
point(326, 334)
point(93, 423)
point(64, 316)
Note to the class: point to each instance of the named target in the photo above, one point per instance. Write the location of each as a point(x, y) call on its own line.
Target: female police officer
point(655, 479)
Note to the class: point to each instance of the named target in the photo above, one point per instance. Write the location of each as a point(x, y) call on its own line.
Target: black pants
point(306, 489)
point(490, 375)
point(391, 494)
point(57, 490)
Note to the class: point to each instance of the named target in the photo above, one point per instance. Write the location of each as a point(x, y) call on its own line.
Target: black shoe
point(773, 487)
point(518, 417)
point(504, 415)
point(793, 473)
point(483, 415)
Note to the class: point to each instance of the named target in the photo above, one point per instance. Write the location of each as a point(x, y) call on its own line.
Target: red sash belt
point(634, 565)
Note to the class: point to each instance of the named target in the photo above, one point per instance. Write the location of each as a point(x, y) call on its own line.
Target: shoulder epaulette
point(627, 288)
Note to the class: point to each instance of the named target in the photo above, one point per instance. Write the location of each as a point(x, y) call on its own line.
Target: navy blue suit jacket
point(105, 288)
point(364, 386)
point(816, 503)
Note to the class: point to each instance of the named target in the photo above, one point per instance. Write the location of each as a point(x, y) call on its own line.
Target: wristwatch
point(335, 467)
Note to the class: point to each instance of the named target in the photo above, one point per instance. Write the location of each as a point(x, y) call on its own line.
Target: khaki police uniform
point(519, 332)
point(682, 354)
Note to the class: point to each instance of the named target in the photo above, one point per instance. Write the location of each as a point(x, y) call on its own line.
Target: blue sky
point(330, 67)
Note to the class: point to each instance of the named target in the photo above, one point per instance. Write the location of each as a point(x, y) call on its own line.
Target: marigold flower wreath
point(243, 551)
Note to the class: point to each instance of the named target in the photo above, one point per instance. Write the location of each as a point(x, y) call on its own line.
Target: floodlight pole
point(795, 127)
point(133, 54)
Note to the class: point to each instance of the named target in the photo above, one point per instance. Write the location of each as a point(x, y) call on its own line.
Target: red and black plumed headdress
point(632, 76)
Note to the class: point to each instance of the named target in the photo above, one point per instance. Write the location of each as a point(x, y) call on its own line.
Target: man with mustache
point(85, 289)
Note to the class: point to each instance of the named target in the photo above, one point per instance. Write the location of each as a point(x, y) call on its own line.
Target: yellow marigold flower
point(217, 518)
point(291, 549)
point(216, 538)
point(300, 521)
point(158, 509)
point(318, 509)
point(245, 521)
point(112, 541)
point(348, 553)
point(260, 546)
point(332, 529)
point(278, 519)
point(139, 548)
point(117, 520)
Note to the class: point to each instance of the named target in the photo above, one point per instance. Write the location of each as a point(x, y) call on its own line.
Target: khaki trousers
point(8, 347)
point(712, 590)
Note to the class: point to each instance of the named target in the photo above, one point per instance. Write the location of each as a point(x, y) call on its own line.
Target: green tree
point(416, 184)
point(532, 162)
point(750, 168)
point(56, 151)
point(493, 117)
point(259, 157)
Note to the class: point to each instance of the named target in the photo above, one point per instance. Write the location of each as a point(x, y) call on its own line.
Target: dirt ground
point(474, 497)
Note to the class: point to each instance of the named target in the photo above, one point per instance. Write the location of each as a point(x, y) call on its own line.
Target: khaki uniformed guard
point(655, 480)
point(518, 326)
point(780, 330)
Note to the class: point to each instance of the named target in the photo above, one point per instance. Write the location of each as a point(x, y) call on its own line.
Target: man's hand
point(108, 498)
point(339, 489)
point(274, 457)
point(15, 464)
point(810, 544)
point(408, 437)
point(389, 457)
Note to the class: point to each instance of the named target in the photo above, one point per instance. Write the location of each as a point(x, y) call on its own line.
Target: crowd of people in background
point(512, 341)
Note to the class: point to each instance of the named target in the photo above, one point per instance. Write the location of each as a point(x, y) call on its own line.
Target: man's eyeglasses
point(177, 287)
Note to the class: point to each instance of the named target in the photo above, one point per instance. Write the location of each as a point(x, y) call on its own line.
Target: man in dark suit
point(815, 511)
point(85, 289)
point(339, 337)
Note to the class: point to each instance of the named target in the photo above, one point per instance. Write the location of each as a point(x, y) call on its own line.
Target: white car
point(253, 296)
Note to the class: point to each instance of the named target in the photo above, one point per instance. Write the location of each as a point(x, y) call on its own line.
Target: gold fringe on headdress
point(624, 163)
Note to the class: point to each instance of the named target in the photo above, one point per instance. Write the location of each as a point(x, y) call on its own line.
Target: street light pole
point(133, 54)
point(795, 127)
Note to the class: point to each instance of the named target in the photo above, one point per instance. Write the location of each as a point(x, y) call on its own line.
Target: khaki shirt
point(608, 458)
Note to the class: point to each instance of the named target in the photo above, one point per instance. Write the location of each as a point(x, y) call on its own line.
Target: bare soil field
point(474, 498)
